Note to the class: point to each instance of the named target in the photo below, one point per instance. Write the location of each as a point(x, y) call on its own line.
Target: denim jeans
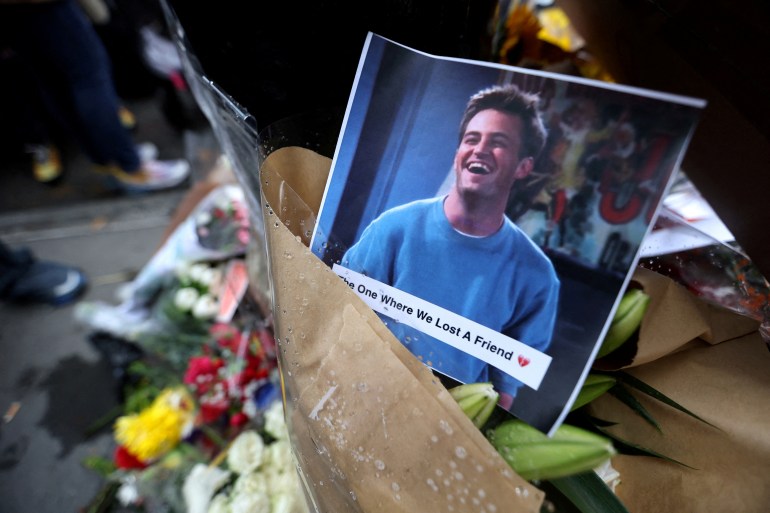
point(60, 45)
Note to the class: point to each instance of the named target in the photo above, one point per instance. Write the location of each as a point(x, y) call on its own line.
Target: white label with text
point(511, 356)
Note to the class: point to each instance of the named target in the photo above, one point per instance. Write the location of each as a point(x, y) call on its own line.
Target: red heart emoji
point(523, 360)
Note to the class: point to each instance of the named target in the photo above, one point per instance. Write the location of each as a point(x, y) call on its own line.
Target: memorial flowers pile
point(200, 387)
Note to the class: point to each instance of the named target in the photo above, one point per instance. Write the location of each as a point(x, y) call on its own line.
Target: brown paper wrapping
point(372, 428)
point(728, 385)
point(674, 320)
point(714, 363)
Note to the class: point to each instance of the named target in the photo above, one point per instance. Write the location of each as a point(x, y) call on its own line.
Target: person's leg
point(23, 278)
point(69, 57)
point(63, 44)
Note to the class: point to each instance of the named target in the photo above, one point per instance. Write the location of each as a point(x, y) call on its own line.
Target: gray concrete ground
point(54, 383)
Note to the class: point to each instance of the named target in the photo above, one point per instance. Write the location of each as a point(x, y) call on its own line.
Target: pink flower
point(243, 236)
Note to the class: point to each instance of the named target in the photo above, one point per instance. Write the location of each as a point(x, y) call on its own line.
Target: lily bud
point(627, 320)
point(533, 455)
point(477, 400)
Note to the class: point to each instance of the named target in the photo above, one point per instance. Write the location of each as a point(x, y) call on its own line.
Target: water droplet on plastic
point(379, 464)
point(460, 452)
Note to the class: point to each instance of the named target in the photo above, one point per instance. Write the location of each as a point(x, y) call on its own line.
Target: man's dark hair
point(512, 100)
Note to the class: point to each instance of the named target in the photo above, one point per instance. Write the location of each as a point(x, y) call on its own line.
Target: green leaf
point(586, 492)
point(650, 391)
point(625, 396)
point(99, 464)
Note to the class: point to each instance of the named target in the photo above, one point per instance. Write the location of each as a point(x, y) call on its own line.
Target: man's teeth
point(477, 168)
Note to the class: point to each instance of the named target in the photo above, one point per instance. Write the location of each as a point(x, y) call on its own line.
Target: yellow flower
point(158, 428)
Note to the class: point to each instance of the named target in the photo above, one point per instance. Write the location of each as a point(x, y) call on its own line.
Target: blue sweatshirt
point(502, 281)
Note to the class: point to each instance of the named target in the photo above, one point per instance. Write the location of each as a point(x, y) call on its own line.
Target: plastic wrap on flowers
point(717, 272)
point(371, 427)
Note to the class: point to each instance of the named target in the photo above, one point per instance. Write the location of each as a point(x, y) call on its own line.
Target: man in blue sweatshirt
point(461, 252)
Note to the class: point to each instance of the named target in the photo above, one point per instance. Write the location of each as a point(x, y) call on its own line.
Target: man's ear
point(524, 168)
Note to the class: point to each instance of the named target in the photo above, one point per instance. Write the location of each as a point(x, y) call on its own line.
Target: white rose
point(196, 271)
point(250, 503)
point(210, 278)
point(289, 503)
point(219, 504)
point(278, 457)
point(283, 482)
point(275, 422)
point(206, 307)
point(246, 452)
point(250, 483)
point(185, 298)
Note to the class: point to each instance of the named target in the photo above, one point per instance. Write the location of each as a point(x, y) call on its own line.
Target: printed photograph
point(492, 215)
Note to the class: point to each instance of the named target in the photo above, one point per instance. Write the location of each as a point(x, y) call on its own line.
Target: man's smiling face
point(487, 161)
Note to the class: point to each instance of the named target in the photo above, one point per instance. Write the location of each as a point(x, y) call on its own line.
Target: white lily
point(200, 485)
point(608, 474)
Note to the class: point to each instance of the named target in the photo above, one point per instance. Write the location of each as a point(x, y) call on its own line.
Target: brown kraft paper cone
point(372, 428)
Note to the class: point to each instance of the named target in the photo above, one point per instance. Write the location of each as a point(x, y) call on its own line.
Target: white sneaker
point(154, 175)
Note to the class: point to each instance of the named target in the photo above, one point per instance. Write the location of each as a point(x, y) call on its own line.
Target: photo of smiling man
point(461, 252)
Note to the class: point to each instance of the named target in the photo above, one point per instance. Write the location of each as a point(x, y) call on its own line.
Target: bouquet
point(363, 413)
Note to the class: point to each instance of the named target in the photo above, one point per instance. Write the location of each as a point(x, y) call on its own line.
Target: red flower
point(126, 460)
point(203, 373)
point(211, 411)
point(228, 337)
point(238, 419)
